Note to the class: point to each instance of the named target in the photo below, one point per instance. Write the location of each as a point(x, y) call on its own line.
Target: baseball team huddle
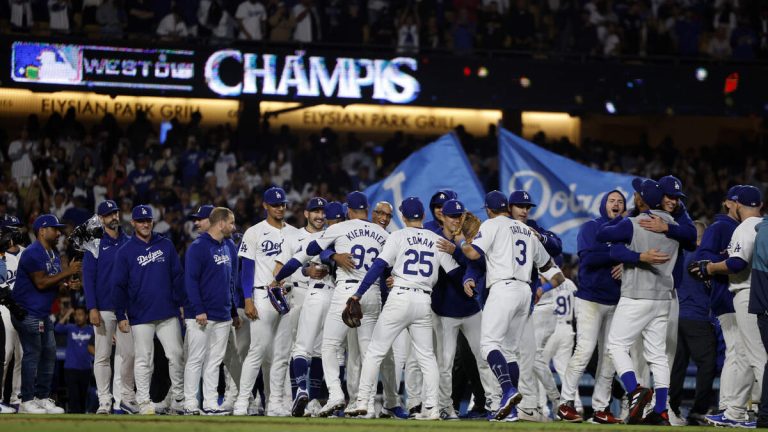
point(320, 314)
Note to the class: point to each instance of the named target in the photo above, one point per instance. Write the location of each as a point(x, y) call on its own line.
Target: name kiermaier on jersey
point(221, 259)
point(156, 256)
point(364, 232)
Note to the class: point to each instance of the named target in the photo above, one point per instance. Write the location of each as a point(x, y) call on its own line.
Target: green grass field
point(86, 423)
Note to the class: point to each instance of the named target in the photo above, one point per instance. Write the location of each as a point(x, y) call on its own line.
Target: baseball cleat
point(396, 412)
point(448, 414)
point(605, 417)
point(414, 411)
point(104, 409)
point(215, 412)
point(191, 411)
point(509, 399)
point(147, 408)
point(429, 414)
point(300, 403)
point(638, 399)
point(656, 419)
point(313, 407)
point(331, 407)
point(567, 412)
point(359, 409)
point(532, 415)
point(723, 421)
point(128, 407)
point(31, 407)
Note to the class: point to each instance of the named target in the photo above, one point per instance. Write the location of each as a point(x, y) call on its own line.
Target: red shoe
point(605, 417)
point(638, 399)
point(567, 412)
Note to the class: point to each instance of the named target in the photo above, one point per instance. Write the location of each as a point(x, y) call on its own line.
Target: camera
point(6, 299)
point(8, 237)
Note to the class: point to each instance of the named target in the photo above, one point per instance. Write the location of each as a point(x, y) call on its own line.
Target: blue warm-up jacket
point(208, 279)
point(97, 273)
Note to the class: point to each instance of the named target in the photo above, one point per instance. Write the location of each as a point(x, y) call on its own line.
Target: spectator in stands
point(725, 17)
point(463, 33)
point(744, 40)
point(214, 20)
point(281, 24)
point(719, 46)
point(60, 204)
point(21, 15)
point(78, 359)
point(611, 43)
point(142, 178)
point(434, 36)
point(141, 17)
point(58, 15)
point(251, 19)
point(688, 30)
point(492, 33)
point(88, 11)
point(172, 26)
point(307, 20)
point(353, 27)
point(20, 152)
point(408, 28)
point(521, 26)
point(111, 19)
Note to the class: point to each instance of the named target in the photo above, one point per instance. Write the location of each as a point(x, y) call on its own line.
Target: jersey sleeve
point(484, 237)
point(390, 251)
point(249, 245)
point(539, 254)
point(742, 243)
point(330, 235)
point(447, 262)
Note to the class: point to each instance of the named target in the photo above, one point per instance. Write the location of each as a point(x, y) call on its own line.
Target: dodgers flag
point(567, 193)
point(439, 165)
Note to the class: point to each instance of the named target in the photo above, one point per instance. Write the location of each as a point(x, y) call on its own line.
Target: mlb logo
point(47, 63)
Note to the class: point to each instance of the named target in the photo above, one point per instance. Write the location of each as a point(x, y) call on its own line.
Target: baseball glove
point(353, 313)
point(698, 270)
point(469, 227)
point(278, 300)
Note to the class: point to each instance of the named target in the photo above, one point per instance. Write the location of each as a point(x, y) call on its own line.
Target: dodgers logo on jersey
point(156, 256)
point(221, 259)
point(270, 248)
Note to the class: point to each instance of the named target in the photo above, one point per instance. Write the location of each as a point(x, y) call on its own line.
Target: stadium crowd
point(718, 29)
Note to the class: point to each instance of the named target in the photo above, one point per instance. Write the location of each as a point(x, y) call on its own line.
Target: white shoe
point(49, 406)
point(624, 413)
point(177, 408)
point(162, 407)
point(531, 415)
point(676, 420)
point(147, 408)
point(228, 404)
point(448, 414)
point(31, 407)
point(214, 410)
point(240, 409)
point(278, 411)
point(313, 407)
point(429, 414)
point(129, 407)
point(255, 408)
point(6, 409)
point(331, 407)
point(105, 408)
point(358, 409)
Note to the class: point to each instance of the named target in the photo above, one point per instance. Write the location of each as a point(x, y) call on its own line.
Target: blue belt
point(317, 285)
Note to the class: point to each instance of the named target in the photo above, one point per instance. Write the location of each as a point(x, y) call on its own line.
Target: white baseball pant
point(262, 331)
point(414, 381)
point(311, 323)
point(593, 324)
point(649, 319)
point(102, 371)
point(169, 333)
point(504, 317)
point(405, 308)
point(529, 384)
point(207, 345)
point(237, 349)
point(279, 377)
point(12, 351)
point(544, 322)
point(559, 349)
point(734, 378)
point(335, 331)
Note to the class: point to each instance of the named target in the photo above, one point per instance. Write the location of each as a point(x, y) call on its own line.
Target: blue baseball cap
point(316, 203)
point(141, 212)
point(275, 196)
point(453, 208)
point(47, 221)
point(495, 200)
point(10, 221)
point(651, 193)
point(521, 198)
point(203, 212)
point(334, 210)
point(357, 200)
point(733, 192)
point(749, 196)
point(637, 183)
point(672, 186)
point(412, 208)
point(441, 196)
point(107, 207)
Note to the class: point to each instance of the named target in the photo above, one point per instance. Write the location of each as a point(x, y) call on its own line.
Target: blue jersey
point(35, 259)
point(692, 294)
point(208, 279)
point(77, 355)
point(714, 247)
point(448, 297)
point(97, 273)
point(148, 280)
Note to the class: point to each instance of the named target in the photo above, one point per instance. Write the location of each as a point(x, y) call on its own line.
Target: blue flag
point(439, 165)
point(567, 193)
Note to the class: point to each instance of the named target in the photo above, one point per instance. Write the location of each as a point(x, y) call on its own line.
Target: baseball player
point(148, 294)
point(714, 246)
point(520, 204)
point(99, 299)
point(595, 304)
point(501, 241)
point(454, 311)
point(12, 342)
point(315, 278)
point(758, 303)
point(414, 258)
point(646, 293)
point(363, 241)
point(239, 337)
point(260, 247)
point(748, 200)
point(209, 284)
point(436, 208)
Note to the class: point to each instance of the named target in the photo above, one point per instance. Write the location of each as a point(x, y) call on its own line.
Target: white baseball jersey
point(12, 264)
point(362, 239)
point(564, 301)
point(298, 241)
point(742, 245)
point(511, 249)
point(263, 243)
point(413, 255)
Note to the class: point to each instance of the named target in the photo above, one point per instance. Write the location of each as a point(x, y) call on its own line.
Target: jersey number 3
point(359, 253)
point(523, 249)
point(420, 259)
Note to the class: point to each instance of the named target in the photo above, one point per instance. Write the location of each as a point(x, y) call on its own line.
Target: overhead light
point(610, 107)
point(525, 82)
point(701, 74)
